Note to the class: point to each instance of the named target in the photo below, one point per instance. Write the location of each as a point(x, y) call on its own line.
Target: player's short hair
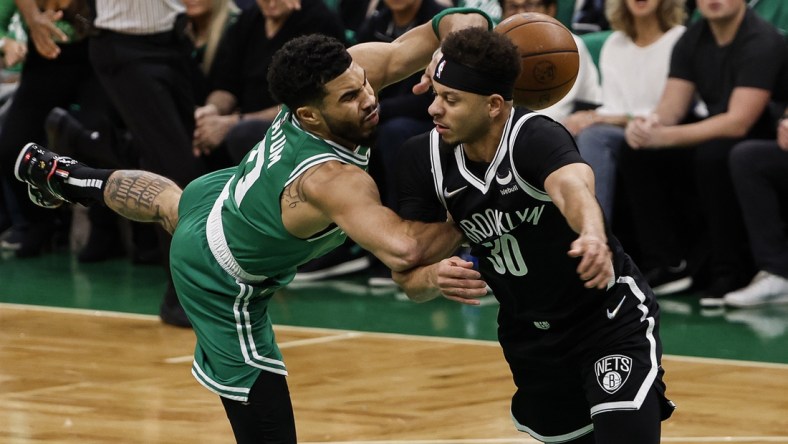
point(484, 51)
point(300, 69)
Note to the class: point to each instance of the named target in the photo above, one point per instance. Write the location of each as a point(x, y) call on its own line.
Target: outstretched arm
point(353, 203)
point(143, 197)
point(387, 63)
point(571, 189)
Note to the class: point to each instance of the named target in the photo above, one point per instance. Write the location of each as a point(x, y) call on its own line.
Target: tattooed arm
point(143, 197)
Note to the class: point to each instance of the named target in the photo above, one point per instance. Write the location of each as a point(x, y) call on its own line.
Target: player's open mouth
point(440, 128)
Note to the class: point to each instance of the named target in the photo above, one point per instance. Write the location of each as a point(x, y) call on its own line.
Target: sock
point(85, 185)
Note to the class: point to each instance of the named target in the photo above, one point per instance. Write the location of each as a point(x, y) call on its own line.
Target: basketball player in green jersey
point(240, 233)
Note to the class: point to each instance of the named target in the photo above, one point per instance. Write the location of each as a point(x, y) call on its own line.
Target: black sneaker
point(174, 315)
point(714, 294)
point(669, 280)
point(44, 172)
point(346, 259)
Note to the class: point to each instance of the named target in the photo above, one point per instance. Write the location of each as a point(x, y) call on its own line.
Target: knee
point(744, 157)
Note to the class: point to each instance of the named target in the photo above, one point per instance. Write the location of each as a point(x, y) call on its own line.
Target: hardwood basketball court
point(82, 376)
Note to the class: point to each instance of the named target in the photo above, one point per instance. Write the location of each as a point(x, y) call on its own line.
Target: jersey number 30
point(505, 256)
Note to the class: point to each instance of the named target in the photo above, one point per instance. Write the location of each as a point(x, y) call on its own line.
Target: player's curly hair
point(485, 51)
point(301, 68)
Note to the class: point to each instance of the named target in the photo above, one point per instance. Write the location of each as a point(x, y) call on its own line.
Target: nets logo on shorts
point(612, 372)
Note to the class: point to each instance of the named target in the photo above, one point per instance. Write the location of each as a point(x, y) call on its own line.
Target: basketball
point(548, 55)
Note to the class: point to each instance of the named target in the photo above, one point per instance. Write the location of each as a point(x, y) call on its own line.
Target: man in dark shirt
point(239, 109)
point(732, 59)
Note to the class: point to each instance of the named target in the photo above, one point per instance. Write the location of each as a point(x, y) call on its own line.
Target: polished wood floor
point(69, 376)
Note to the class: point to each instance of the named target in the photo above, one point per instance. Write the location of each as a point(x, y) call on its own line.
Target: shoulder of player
point(331, 177)
point(536, 123)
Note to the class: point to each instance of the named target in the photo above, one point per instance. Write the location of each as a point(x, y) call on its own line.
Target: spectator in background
point(239, 109)
point(56, 73)
point(402, 115)
point(590, 16)
point(634, 64)
point(13, 39)
point(141, 56)
point(760, 176)
point(208, 20)
point(13, 48)
point(731, 59)
point(353, 14)
point(586, 90)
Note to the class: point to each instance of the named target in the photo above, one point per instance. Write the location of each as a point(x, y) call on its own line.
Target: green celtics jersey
point(245, 230)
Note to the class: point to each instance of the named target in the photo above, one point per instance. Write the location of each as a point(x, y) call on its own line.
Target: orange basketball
point(549, 58)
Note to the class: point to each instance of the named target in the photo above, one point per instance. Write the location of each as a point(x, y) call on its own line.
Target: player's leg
point(143, 197)
point(642, 426)
point(268, 415)
point(550, 404)
point(623, 377)
point(137, 195)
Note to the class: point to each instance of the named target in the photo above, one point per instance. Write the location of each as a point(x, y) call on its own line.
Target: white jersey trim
point(557, 439)
point(246, 337)
point(214, 231)
point(437, 169)
point(309, 163)
point(648, 381)
point(527, 187)
point(219, 389)
point(500, 154)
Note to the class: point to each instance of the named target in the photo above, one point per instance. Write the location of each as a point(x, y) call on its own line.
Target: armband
point(439, 16)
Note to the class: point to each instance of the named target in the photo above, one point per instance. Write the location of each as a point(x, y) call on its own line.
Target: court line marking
point(283, 345)
point(333, 331)
point(678, 439)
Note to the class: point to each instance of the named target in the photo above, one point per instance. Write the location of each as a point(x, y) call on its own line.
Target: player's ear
point(495, 105)
point(309, 115)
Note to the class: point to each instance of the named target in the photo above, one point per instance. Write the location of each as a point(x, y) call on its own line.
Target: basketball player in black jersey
point(578, 324)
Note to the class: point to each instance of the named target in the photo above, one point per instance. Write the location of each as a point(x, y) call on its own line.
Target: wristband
point(439, 16)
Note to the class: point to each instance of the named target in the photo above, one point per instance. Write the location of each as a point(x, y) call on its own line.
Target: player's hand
point(596, 265)
point(45, 34)
point(425, 84)
point(458, 281)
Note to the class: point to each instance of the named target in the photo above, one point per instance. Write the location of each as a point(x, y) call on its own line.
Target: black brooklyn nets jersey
point(518, 235)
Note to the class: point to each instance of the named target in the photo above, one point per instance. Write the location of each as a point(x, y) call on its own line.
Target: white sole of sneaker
point(673, 287)
point(712, 302)
point(777, 299)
